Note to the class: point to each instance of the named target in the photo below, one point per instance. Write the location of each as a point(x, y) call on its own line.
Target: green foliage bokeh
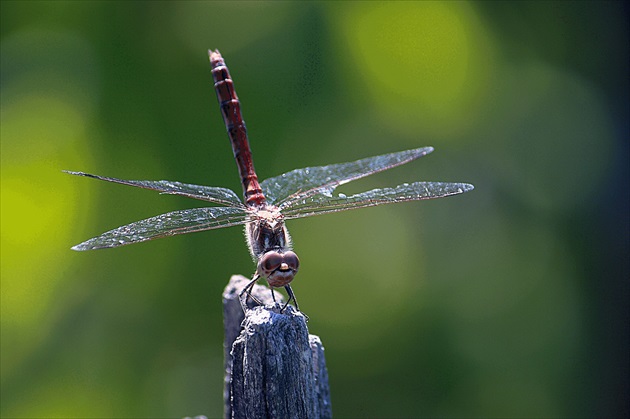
point(509, 301)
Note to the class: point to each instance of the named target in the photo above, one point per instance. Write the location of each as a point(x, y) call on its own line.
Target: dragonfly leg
point(291, 297)
point(248, 290)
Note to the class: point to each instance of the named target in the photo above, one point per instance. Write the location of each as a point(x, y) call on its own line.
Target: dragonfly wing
point(222, 196)
point(169, 224)
point(302, 183)
point(322, 204)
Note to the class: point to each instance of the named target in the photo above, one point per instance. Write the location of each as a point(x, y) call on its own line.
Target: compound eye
point(270, 262)
point(292, 260)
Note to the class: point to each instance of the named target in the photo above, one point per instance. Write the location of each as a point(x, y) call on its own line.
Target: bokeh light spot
point(46, 106)
point(424, 64)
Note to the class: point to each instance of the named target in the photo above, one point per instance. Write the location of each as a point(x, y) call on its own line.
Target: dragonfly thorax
point(270, 245)
point(265, 231)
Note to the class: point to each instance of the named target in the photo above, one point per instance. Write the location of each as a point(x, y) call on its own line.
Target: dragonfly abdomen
point(237, 131)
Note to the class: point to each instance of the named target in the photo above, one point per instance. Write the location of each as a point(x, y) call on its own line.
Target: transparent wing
point(169, 224)
point(222, 196)
point(322, 204)
point(301, 183)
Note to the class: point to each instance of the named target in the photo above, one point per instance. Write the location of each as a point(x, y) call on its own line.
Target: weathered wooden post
point(273, 367)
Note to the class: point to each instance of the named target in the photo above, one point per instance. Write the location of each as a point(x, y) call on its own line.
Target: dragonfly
point(266, 205)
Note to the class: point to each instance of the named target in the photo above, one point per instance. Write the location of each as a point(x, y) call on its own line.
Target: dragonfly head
point(278, 268)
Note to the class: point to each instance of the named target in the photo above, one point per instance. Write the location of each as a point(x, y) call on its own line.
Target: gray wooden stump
point(273, 367)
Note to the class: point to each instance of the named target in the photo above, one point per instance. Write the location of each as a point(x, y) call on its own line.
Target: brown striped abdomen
point(231, 112)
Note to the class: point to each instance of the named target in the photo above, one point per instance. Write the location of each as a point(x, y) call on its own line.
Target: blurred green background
point(509, 301)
